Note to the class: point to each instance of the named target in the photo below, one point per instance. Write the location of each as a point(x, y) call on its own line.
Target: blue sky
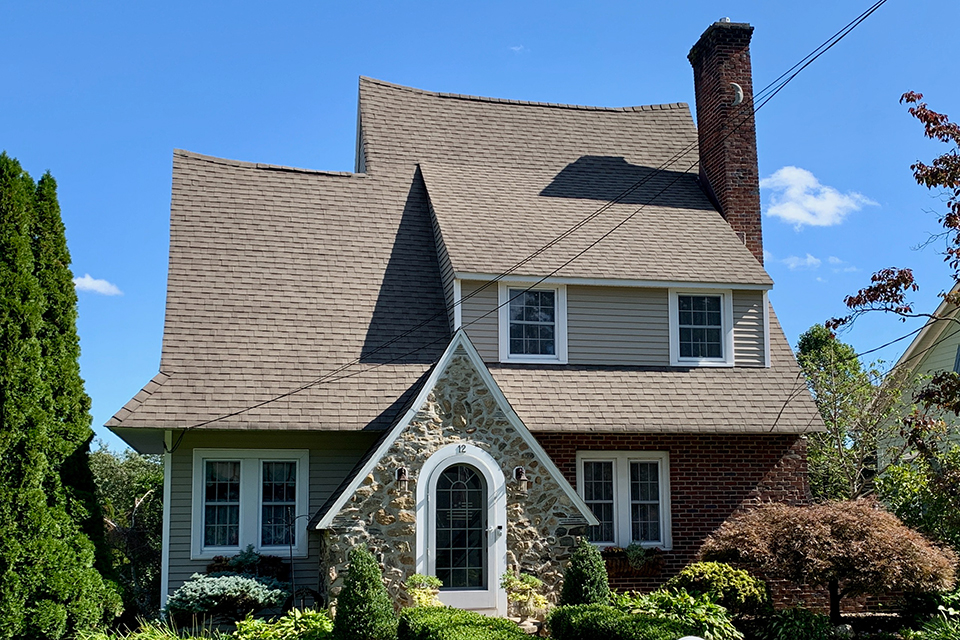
point(100, 93)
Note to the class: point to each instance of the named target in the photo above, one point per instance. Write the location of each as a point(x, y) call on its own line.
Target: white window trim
point(726, 328)
point(251, 471)
point(621, 492)
point(560, 324)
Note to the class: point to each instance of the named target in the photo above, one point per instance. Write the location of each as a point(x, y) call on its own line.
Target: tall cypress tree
point(48, 584)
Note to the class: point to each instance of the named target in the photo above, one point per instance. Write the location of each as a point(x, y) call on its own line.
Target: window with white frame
point(533, 323)
point(629, 493)
point(701, 327)
point(247, 497)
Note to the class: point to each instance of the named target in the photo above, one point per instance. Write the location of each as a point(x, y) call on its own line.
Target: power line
point(746, 110)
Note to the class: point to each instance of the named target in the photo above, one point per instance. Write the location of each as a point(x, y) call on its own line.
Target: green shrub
point(157, 630)
point(735, 589)
point(603, 622)
point(364, 610)
point(443, 623)
point(939, 628)
point(227, 597)
point(789, 624)
point(294, 625)
point(585, 581)
point(701, 614)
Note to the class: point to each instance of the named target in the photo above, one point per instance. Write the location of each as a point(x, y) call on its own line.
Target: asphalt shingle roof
point(279, 277)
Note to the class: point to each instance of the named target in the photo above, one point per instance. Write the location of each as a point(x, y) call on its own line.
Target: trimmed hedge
point(442, 623)
point(602, 622)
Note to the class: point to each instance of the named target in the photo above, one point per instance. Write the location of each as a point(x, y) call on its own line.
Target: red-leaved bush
point(852, 548)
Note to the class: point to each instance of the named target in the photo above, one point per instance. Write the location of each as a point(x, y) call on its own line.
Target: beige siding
point(481, 329)
point(617, 326)
point(942, 356)
point(748, 342)
point(332, 456)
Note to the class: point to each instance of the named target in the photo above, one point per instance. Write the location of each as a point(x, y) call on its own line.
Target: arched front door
point(461, 521)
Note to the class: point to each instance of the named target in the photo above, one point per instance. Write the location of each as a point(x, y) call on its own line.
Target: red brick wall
point(727, 132)
point(711, 477)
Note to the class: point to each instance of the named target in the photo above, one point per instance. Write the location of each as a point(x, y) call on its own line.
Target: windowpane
point(461, 521)
point(221, 513)
point(645, 501)
point(532, 322)
point(598, 494)
point(278, 504)
point(700, 325)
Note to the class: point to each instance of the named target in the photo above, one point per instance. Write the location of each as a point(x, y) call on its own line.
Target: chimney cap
point(725, 20)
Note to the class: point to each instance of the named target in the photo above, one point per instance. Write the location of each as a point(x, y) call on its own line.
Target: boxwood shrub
point(443, 623)
point(603, 622)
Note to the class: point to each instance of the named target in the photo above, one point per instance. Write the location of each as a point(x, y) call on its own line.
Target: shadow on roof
point(409, 323)
point(610, 177)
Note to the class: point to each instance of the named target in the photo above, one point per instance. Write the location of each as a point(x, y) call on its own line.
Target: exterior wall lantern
point(403, 479)
point(520, 475)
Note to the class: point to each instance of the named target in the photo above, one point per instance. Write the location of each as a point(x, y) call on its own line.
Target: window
point(701, 328)
point(629, 493)
point(533, 324)
point(249, 497)
point(956, 361)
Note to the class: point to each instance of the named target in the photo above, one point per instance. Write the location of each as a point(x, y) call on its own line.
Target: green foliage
point(734, 589)
point(790, 624)
point(364, 610)
point(708, 619)
point(224, 597)
point(585, 581)
point(294, 625)
point(157, 630)
point(603, 622)
point(423, 590)
point(442, 623)
point(860, 417)
point(49, 586)
point(524, 591)
point(130, 491)
point(939, 628)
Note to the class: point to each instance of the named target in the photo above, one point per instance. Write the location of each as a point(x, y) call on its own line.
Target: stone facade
point(542, 523)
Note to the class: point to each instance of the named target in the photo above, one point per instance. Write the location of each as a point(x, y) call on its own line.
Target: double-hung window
point(247, 497)
point(533, 323)
point(629, 493)
point(701, 327)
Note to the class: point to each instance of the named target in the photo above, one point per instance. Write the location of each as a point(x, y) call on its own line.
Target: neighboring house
point(411, 357)
point(936, 347)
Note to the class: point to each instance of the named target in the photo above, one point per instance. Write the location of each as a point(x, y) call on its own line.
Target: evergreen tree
point(364, 611)
point(48, 585)
point(585, 581)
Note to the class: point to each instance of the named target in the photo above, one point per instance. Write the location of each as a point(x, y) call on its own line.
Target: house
point(513, 324)
point(936, 347)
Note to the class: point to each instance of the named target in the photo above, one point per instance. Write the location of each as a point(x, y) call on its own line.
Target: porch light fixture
point(520, 475)
point(403, 479)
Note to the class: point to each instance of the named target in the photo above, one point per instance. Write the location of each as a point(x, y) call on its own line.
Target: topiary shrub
point(700, 614)
point(224, 598)
point(364, 611)
point(294, 625)
point(735, 589)
point(585, 580)
point(603, 622)
point(444, 623)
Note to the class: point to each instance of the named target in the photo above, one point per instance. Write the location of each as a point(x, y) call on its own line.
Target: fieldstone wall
point(542, 524)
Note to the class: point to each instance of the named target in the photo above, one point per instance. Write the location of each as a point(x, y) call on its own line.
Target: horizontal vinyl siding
point(943, 355)
point(332, 456)
point(481, 330)
point(617, 326)
point(748, 343)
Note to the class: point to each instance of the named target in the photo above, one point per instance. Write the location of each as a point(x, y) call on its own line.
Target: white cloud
point(518, 48)
point(798, 197)
point(103, 287)
point(767, 256)
point(808, 262)
point(841, 266)
point(834, 260)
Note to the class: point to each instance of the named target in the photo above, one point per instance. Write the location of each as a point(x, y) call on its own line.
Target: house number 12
point(461, 448)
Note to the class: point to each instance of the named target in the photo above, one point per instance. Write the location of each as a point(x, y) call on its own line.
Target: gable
point(460, 402)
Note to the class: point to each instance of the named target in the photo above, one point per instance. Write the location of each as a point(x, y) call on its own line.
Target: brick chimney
point(727, 131)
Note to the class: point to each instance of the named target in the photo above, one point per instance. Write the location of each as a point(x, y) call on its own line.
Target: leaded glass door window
point(461, 528)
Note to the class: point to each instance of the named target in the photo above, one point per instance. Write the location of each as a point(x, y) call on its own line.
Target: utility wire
point(746, 110)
